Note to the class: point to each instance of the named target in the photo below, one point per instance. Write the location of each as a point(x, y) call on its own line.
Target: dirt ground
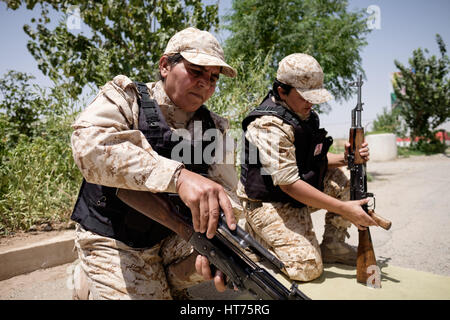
point(24, 238)
point(411, 192)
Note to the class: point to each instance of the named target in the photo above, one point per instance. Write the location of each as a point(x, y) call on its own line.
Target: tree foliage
point(423, 91)
point(324, 29)
point(389, 121)
point(38, 176)
point(21, 105)
point(237, 96)
point(123, 37)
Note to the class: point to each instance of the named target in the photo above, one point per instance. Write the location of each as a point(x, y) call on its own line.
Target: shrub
point(38, 178)
point(429, 147)
point(389, 122)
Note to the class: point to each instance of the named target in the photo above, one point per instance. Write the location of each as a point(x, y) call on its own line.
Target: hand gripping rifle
point(224, 251)
point(367, 271)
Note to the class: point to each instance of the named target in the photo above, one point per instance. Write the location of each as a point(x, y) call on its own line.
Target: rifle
point(367, 271)
point(224, 251)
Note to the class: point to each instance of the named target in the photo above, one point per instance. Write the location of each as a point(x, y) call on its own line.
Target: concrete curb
point(44, 253)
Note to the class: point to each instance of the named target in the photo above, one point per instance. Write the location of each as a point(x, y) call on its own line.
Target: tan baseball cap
point(304, 73)
point(200, 48)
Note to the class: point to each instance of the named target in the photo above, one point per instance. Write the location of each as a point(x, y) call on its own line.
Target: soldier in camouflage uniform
point(293, 177)
point(112, 152)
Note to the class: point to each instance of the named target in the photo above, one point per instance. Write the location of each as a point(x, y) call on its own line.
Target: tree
point(423, 91)
point(21, 105)
point(323, 29)
point(125, 37)
point(389, 121)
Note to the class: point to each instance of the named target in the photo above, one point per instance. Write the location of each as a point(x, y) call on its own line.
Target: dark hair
point(286, 88)
point(172, 59)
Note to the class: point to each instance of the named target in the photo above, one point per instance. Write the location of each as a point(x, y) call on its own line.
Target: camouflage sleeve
point(110, 150)
point(275, 142)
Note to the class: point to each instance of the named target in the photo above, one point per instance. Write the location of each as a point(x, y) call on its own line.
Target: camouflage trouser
point(288, 232)
point(112, 270)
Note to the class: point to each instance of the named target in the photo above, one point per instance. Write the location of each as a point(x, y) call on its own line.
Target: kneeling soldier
point(288, 173)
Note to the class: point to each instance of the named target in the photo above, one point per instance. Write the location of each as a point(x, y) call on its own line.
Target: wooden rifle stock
point(382, 222)
point(356, 140)
point(367, 271)
point(157, 209)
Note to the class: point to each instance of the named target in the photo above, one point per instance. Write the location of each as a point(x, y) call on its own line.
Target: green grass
point(39, 180)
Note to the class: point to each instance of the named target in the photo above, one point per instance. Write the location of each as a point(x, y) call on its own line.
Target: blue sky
point(405, 25)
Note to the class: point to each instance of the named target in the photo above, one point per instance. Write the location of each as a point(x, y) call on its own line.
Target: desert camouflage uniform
point(304, 74)
point(110, 150)
point(286, 230)
point(200, 48)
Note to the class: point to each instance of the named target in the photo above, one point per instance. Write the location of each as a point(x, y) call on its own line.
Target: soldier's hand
point(354, 213)
point(204, 198)
point(363, 151)
point(203, 268)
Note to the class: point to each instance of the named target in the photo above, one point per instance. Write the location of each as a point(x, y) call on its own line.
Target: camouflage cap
point(304, 73)
point(200, 48)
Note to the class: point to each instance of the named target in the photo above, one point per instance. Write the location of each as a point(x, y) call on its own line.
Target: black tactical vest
point(99, 210)
point(311, 148)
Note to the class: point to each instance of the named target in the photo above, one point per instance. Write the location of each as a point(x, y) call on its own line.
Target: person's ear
point(164, 66)
point(282, 93)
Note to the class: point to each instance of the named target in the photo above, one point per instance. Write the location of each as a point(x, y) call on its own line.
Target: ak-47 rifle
point(224, 251)
point(367, 271)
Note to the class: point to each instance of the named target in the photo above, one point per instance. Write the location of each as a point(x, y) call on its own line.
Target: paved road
point(411, 192)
